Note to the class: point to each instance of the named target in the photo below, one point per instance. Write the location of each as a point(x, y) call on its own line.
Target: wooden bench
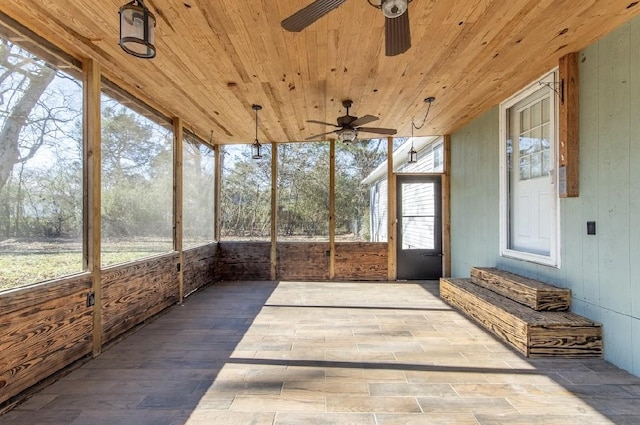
point(532, 293)
point(533, 333)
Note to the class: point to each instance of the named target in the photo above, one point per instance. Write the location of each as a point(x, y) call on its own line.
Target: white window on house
point(438, 157)
point(529, 228)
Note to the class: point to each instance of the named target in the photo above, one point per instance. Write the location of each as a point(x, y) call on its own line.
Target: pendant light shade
point(137, 27)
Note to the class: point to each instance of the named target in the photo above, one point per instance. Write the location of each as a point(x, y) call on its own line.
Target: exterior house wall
point(475, 197)
point(379, 193)
point(430, 160)
point(602, 270)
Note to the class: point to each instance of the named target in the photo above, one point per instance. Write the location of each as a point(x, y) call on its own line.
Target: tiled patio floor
point(327, 353)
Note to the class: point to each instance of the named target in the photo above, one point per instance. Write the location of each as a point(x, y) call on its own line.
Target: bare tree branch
point(37, 79)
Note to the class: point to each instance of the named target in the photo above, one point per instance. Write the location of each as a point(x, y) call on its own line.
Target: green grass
point(27, 262)
point(26, 268)
point(111, 258)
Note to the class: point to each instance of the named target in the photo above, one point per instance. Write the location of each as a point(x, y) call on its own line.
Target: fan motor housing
point(346, 120)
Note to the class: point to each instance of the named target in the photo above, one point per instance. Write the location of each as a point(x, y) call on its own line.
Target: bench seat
point(532, 333)
point(532, 293)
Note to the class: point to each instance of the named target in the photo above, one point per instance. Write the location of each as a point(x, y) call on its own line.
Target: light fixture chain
point(428, 100)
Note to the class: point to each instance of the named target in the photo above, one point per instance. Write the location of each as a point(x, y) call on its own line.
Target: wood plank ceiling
point(216, 58)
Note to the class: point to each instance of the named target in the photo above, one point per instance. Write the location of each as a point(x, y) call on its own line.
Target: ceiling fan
point(349, 126)
point(396, 22)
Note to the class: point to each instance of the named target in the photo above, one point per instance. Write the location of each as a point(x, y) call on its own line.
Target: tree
point(246, 193)
point(23, 80)
point(38, 109)
point(127, 144)
point(137, 174)
point(354, 162)
point(303, 189)
point(198, 191)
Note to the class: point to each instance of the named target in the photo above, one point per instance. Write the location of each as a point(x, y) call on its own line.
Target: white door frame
point(553, 259)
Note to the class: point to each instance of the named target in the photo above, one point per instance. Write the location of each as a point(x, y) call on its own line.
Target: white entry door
point(531, 216)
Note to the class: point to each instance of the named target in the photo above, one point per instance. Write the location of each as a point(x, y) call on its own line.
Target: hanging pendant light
point(137, 27)
point(413, 154)
point(256, 147)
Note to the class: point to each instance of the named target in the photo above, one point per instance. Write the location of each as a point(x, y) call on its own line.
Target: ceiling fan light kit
point(393, 8)
point(348, 136)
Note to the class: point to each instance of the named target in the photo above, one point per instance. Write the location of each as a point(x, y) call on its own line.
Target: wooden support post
point(177, 201)
point(217, 187)
point(274, 211)
point(568, 151)
point(92, 200)
point(446, 208)
point(392, 220)
point(332, 208)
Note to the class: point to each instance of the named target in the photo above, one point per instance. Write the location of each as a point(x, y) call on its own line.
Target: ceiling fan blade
point(323, 123)
point(397, 34)
point(364, 120)
point(308, 15)
point(389, 131)
point(315, 136)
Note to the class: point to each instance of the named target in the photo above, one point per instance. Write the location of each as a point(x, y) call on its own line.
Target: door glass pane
point(536, 165)
point(546, 116)
point(417, 233)
point(525, 171)
point(536, 115)
point(525, 120)
point(533, 139)
point(418, 215)
point(546, 162)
